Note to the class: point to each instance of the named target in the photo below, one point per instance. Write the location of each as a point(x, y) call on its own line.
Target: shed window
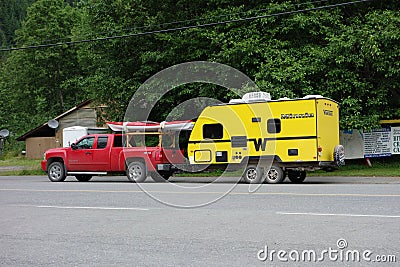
point(274, 126)
point(213, 131)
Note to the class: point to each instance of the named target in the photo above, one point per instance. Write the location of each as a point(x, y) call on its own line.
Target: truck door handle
point(88, 153)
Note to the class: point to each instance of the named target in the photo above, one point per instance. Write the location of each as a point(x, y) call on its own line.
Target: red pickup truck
point(102, 154)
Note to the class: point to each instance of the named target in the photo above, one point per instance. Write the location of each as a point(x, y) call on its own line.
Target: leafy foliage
point(349, 53)
point(12, 12)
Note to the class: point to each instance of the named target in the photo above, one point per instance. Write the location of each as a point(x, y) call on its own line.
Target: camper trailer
point(269, 139)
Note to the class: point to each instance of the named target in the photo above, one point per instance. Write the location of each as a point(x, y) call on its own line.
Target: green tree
point(349, 53)
point(364, 63)
point(35, 82)
point(12, 12)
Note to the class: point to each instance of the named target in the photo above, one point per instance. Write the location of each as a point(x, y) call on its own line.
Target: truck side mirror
point(74, 146)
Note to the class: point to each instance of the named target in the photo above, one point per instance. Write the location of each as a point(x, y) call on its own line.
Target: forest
point(55, 54)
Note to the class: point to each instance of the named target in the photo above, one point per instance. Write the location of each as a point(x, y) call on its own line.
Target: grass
point(388, 167)
point(377, 169)
point(20, 166)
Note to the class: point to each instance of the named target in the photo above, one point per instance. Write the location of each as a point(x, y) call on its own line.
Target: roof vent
point(256, 97)
point(312, 96)
point(236, 101)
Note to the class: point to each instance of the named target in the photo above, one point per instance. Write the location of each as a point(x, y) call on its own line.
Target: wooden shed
point(43, 137)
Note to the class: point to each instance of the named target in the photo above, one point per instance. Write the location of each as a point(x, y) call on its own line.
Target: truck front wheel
point(275, 175)
point(56, 172)
point(136, 172)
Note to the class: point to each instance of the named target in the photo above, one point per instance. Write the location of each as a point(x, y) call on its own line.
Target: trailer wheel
point(160, 177)
point(339, 155)
point(136, 172)
point(297, 176)
point(253, 175)
point(56, 172)
point(83, 177)
point(275, 175)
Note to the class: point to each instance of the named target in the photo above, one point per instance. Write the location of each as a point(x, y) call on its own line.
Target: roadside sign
point(395, 140)
point(377, 143)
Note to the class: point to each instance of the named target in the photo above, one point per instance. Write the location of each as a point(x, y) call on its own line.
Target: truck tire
point(83, 177)
point(136, 172)
point(296, 176)
point(160, 177)
point(253, 175)
point(275, 175)
point(56, 172)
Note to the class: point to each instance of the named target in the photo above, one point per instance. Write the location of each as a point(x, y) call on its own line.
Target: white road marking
point(203, 192)
point(91, 208)
point(337, 214)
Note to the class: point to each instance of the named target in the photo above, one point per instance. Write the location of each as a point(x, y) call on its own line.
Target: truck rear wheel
point(253, 175)
point(83, 177)
point(136, 172)
point(56, 172)
point(275, 175)
point(296, 176)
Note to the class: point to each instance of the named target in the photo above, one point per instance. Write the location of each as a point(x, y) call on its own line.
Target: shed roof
point(44, 130)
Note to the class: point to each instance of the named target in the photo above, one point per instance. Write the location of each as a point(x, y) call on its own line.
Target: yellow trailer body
point(293, 133)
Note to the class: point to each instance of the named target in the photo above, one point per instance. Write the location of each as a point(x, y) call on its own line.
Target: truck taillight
point(158, 155)
point(319, 149)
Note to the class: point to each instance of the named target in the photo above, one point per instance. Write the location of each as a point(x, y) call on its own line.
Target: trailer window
point(213, 131)
point(274, 126)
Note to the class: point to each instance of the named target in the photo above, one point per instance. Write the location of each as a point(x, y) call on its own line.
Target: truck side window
point(274, 126)
point(102, 142)
point(213, 131)
point(86, 143)
point(117, 141)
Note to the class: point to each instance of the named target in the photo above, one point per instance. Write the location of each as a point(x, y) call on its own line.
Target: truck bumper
point(165, 167)
point(44, 165)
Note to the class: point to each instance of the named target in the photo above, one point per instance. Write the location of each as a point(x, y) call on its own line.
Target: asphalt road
point(199, 222)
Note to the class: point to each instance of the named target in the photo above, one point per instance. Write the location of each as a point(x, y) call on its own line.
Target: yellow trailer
point(271, 138)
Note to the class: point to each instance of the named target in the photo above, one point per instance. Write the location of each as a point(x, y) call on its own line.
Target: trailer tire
point(253, 175)
point(160, 177)
point(83, 177)
point(339, 155)
point(296, 176)
point(136, 172)
point(275, 175)
point(56, 172)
